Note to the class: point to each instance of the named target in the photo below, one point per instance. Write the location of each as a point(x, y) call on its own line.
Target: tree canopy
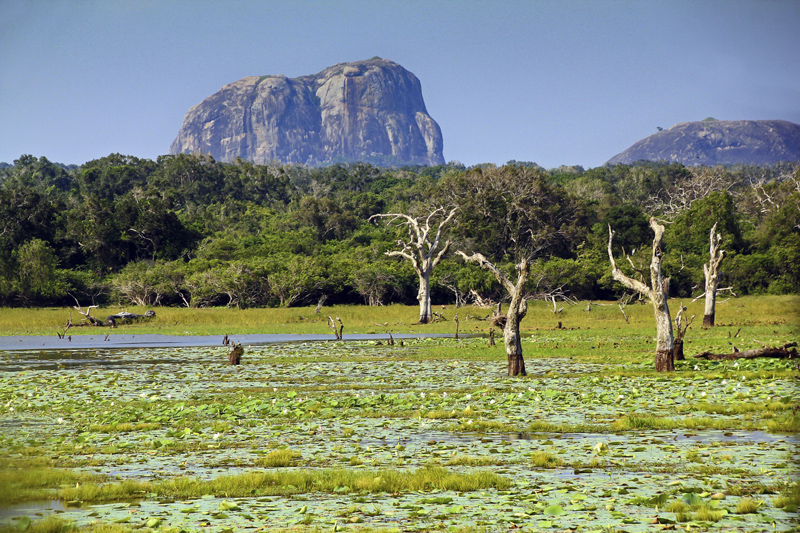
point(188, 230)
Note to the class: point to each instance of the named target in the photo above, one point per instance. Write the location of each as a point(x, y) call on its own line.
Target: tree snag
point(420, 250)
point(517, 309)
point(235, 355)
point(787, 351)
point(656, 293)
point(711, 273)
point(681, 326)
point(332, 325)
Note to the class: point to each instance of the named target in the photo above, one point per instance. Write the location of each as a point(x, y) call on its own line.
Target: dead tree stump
point(235, 356)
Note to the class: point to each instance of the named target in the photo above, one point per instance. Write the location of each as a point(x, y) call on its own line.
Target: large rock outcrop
point(719, 142)
point(362, 111)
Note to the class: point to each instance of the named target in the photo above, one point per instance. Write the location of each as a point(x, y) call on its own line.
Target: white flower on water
point(519, 395)
point(422, 395)
point(468, 397)
point(469, 422)
point(696, 367)
point(60, 420)
point(11, 409)
point(274, 389)
point(112, 404)
point(169, 396)
point(491, 402)
point(444, 395)
point(703, 393)
point(216, 436)
point(286, 411)
point(358, 395)
point(724, 382)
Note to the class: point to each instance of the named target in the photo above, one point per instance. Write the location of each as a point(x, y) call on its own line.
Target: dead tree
point(711, 274)
point(656, 293)
point(421, 250)
point(517, 308)
point(681, 325)
point(235, 355)
point(787, 351)
point(318, 309)
point(332, 325)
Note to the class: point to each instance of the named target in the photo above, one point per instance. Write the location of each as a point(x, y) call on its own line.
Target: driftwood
point(111, 320)
point(235, 356)
point(787, 351)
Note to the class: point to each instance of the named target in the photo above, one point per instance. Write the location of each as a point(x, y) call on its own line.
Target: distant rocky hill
point(362, 111)
point(719, 142)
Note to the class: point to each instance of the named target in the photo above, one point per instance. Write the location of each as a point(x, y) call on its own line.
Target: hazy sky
point(555, 82)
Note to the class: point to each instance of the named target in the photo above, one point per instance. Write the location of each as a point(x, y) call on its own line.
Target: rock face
point(362, 111)
point(719, 142)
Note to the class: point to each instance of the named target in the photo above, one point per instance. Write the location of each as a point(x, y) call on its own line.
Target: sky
point(556, 82)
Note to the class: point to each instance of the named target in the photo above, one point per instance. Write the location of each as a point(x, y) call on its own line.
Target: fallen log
point(787, 351)
point(111, 320)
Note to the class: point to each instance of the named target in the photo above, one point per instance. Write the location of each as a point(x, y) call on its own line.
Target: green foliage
point(189, 230)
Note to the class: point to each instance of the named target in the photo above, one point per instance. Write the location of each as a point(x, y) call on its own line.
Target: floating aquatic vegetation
point(319, 433)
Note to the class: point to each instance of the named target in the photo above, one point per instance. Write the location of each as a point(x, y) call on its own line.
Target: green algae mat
point(364, 436)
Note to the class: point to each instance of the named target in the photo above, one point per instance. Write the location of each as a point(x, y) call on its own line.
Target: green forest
point(187, 230)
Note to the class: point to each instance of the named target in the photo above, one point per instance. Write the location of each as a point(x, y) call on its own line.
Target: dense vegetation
point(187, 230)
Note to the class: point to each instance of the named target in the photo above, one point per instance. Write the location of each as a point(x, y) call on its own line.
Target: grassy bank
point(752, 311)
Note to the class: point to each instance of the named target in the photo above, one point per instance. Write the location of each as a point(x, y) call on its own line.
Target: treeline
point(188, 230)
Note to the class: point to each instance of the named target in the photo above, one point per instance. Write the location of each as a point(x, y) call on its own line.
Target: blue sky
point(556, 82)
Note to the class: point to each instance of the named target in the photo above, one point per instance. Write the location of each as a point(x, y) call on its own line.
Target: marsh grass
point(290, 482)
point(124, 427)
point(748, 506)
point(731, 409)
point(761, 312)
point(53, 524)
point(546, 460)
point(19, 484)
point(708, 513)
point(785, 423)
point(471, 460)
point(636, 422)
point(278, 458)
point(788, 502)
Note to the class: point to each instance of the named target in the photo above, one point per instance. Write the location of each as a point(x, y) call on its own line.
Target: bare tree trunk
point(424, 297)
point(517, 309)
point(512, 340)
point(656, 293)
point(664, 337)
point(711, 272)
point(681, 326)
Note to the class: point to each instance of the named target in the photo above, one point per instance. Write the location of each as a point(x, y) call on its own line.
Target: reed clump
point(278, 458)
point(292, 482)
